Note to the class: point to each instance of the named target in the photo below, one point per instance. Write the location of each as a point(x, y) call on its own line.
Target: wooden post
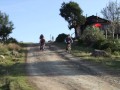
point(113, 34)
point(106, 33)
point(117, 36)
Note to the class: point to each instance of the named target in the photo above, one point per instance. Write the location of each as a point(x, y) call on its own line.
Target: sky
point(34, 17)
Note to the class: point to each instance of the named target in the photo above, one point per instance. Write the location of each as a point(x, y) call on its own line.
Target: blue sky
point(34, 17)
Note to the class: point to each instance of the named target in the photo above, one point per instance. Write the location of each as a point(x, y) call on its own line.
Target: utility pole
point(50, 37)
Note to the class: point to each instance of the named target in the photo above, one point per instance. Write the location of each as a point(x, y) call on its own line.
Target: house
point(95, 21)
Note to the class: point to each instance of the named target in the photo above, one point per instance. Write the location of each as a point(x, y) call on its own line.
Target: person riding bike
point(41, 36)
point(42, 42)
point(68, 41)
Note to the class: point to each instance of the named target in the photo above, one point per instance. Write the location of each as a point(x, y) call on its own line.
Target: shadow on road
point(48, 68)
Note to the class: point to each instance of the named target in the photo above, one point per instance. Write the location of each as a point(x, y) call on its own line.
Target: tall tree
point(72, 13)
point(112, 13)
point(6, 26)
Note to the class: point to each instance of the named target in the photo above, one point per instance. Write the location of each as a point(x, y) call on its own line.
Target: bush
point(3, 49)
point(116, 53)
point(80, 41)
point(61, 37)
point(92, 36)
point(13, 46)
point(97, 44)
point(11, 40)
point(105, 45)
point(114, 45)
point(108, 50)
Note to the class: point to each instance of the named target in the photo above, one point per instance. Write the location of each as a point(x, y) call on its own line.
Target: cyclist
point(41, 36)
point(42, 42)
point(68, 41)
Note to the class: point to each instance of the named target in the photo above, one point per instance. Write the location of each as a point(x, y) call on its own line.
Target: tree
point(112, 13)
point(61, 37)
point(11, 40)
point(72, 13)
point(6, 27)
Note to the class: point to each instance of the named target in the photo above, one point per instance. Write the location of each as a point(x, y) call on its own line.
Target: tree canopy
point(112, 12)
point(6, 26)
point(72, 13)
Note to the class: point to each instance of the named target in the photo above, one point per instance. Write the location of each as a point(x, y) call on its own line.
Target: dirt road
point(50, 71)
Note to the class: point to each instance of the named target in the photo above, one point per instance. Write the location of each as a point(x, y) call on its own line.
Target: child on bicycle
point(68, 41)
point(42, 42)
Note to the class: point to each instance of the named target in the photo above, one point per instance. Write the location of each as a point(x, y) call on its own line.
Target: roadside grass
point(13, 74)
point(112, 62)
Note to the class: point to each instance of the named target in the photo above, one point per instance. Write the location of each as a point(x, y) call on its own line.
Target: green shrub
point(108, 50)
point(106, 45)
point(116, 53)
point(80, 42)
point(13, 46)
point(11, 40)
point(3, 49)
point(61, 37)
point(97, 44)
point(114, 45)
point(92, 35)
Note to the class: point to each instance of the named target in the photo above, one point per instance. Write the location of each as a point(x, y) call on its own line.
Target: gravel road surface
point(48, 70)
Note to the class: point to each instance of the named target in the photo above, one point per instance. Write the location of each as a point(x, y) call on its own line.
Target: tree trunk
point(77, 32)
point(76, 35)
point(117, 36)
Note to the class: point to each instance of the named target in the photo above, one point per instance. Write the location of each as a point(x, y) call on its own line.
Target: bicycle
point(42, 47)
point(69, 48)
